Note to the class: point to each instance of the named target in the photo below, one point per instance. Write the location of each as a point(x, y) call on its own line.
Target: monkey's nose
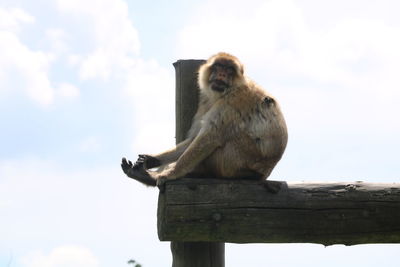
point(222, 75)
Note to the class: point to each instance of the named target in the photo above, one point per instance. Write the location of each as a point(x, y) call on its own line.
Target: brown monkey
point(238, 131)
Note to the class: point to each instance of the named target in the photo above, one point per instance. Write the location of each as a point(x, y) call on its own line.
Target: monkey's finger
point(141, 160)
point(124, 168)
point(124, 165)
point(138, 165)
point(142, 157)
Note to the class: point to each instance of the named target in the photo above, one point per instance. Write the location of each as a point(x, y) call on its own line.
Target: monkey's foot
point(148, 161)
point(136, 171)
point(161, 184)
point(272, 186)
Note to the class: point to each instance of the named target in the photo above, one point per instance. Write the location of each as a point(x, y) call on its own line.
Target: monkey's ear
point(241, 70)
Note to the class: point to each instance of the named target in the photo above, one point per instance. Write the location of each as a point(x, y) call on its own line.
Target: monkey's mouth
point(218, 85)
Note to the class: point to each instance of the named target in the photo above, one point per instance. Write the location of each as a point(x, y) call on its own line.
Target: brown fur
point(238, 130)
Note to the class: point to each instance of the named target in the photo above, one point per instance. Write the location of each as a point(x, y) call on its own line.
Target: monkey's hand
point(136, 171)
point(148, 161)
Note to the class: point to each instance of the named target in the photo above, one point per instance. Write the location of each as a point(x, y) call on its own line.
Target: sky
point(84, 83)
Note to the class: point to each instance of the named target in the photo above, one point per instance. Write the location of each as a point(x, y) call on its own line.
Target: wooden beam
point(246, 211)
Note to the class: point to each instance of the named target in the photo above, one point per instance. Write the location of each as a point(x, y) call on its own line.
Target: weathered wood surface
point(198, 254)
point(244, 211)
point(191, 254)
point(186, 95)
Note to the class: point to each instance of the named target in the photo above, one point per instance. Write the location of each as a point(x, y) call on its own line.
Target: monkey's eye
point(216, 66)
point(230, 70)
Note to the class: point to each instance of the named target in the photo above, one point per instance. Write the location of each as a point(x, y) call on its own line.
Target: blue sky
point(84, 83)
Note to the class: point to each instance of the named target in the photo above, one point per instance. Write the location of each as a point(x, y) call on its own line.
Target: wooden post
point(186, 95)
point(191, 254)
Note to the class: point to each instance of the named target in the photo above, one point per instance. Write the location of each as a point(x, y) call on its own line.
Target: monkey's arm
point(201, 147)
point(172, 155)
point(156, 160)
point(138, 171)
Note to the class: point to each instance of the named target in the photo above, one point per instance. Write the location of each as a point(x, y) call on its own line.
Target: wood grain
point(244, 211)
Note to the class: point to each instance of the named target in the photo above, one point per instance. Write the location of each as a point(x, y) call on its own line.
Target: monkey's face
point(222, 74)
point(219, 74)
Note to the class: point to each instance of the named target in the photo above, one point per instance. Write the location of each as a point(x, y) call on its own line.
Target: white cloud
point(11, 18)
point(67, 90)
point(115, 55)
point(151, 89)
point(33, 66)
point(275, 34)
point(28, 70)
point(24, 69)
point(57, 39)
point(244, 32)
point(65, 256)
point(42, 200)
point(116, 40)
point(19, 64)
point(347, 71)
point(90, 144)
point(112, 54)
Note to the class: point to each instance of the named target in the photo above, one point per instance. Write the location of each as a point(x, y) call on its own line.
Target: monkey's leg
point(201, 147)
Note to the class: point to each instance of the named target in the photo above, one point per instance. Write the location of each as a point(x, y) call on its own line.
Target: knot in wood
point(217, 217)
point(192, 186)
point(351, 187)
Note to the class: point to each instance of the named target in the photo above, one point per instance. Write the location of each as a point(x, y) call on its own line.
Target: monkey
point(238, 131)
